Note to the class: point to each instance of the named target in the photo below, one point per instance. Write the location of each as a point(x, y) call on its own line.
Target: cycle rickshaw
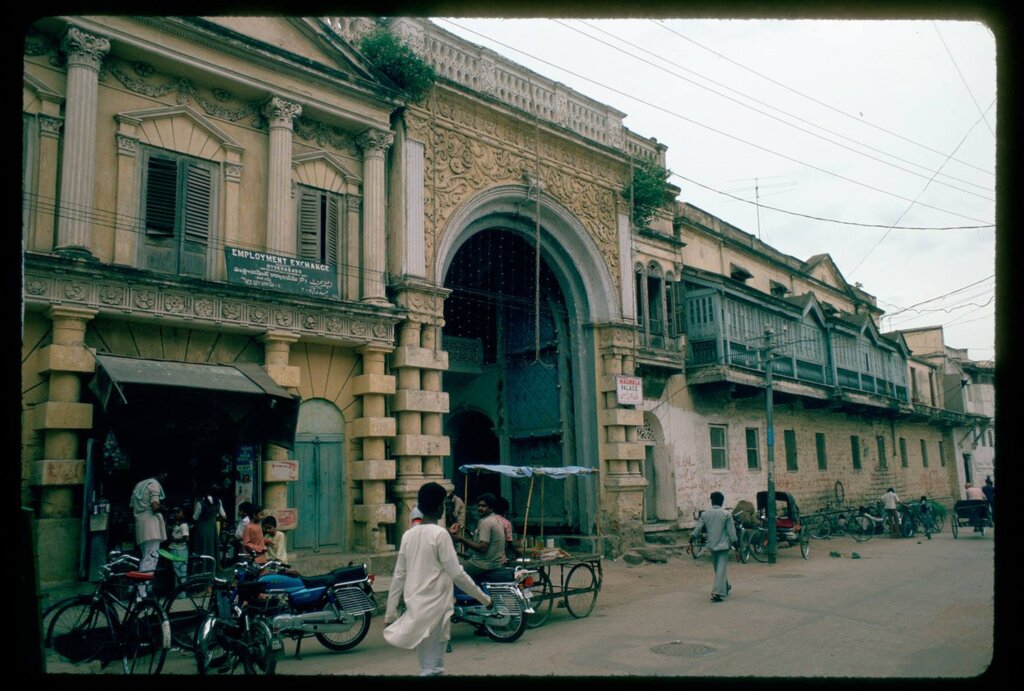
point(788, 529)
point(971, 513)
point(568, 581)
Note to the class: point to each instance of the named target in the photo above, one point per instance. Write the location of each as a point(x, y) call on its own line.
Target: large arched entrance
point(518, 349)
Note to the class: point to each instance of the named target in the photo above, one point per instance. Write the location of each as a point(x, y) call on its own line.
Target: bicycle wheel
point(759, 544)
point(697, 547)
point(81, 629)
point(908, 527)
point(543, 600)
point(818, 527)
point(860, 528)
point(805, 543)
point(954, 525)
point(938, 523)
point(260, 656)
point(186, 608)
point(50, 612)
point(744, 548)
point(212, 655)
point(350, 638)
point(580, 590)
point(145, 638)
point(840, 492)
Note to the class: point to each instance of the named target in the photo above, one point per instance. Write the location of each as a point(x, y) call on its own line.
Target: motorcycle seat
point(342, 575)
point(502, 575)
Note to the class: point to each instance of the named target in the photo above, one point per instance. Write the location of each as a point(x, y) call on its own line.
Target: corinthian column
point(280, 220)
point(374, 144)
point(85, 54)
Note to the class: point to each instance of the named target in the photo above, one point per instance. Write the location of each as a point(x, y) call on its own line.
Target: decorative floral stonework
point(175, 304)
point(284, 318)
point(203, 307)
point(231, 310)
point(259, 315)
point(145, 299)
point(35, 286)
point(74, 290)
point(111, 295)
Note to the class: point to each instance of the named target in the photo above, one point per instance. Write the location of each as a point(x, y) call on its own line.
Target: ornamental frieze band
point(171, 303)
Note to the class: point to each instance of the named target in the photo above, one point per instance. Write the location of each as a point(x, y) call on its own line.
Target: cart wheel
point(954, 525)
point(581, 590)
point(542, 600)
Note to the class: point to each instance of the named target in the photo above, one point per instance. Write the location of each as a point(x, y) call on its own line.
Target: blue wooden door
point(317, 493)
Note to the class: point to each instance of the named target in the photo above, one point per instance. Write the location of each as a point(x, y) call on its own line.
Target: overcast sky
point(873, 123)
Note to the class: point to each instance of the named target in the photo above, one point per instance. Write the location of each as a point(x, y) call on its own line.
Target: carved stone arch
point(323, 171)
point(565, 244)
point(180, 129)
point(654, 269)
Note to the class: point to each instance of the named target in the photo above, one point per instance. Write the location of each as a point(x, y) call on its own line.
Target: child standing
point(274, 540)
point(925, 512)
point(252, 535)
point(177, 544)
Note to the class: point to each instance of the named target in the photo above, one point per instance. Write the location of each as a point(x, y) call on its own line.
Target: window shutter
point(161, 196)
point(198, 187)
point(332, 231)
point(679, 305)
point(309, 224)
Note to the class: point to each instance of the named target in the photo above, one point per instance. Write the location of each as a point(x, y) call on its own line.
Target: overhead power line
point(707, 127)
point(815, 100)
point(828, 220)
point(768, 105)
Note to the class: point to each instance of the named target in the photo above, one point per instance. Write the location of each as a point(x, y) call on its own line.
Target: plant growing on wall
point(398, 62)
point(648, 191)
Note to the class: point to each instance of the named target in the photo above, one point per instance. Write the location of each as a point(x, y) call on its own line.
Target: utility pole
point(769, 505)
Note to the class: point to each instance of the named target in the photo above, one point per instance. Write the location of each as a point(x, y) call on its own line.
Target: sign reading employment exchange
point(265, 270)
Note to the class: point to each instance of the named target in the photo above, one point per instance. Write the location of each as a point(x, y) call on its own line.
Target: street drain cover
point(680, 649)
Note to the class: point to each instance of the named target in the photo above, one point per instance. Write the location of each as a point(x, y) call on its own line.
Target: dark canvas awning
point(263, 410)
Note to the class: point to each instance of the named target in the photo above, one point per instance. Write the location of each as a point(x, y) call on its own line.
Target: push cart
point(569, 581)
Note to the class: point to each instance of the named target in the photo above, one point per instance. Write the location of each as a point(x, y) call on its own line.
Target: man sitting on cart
point(488, 541)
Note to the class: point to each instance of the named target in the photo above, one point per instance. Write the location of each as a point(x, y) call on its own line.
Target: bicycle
point(741, 547)
point(188, 604)
point(234, 633)
point(866, 523)
point(115, 621)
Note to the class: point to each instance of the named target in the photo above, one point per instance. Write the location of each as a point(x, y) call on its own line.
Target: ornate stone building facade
point(172, 164)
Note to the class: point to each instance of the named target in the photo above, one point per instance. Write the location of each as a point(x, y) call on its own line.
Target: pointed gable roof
point(823, 268)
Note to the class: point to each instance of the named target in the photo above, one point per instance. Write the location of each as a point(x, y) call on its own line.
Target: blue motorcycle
point(506, 620)
point(334, 607)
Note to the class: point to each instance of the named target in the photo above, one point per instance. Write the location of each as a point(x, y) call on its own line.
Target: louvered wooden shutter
point(161, 196)
point(309, 224)
point(197, 204)
point(679, 307)
point(332, 231)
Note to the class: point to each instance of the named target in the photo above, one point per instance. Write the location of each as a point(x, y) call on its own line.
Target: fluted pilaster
point(374, 144)
point(280, 219)
point(85, 54)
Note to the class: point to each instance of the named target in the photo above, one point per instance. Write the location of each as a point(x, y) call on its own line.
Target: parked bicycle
point(114, 622)
point(235, 636)
point(867, 522)
point(698, 544)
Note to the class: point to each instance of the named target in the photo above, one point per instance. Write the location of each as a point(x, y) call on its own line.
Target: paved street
point(906, 608)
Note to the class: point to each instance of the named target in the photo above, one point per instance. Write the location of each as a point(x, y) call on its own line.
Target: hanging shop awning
point(245, 391)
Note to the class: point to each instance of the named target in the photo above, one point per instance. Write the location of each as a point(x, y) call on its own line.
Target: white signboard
point(629, 390)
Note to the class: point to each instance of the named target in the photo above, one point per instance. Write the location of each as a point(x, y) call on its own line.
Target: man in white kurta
point(426, 569)
point(150, 530)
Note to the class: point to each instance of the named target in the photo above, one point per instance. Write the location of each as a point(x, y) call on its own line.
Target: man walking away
point(721, 536)
point(425, 571)
point(890, 500)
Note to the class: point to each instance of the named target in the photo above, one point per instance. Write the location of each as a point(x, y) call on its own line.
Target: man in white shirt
point(890, 500)
point(150, 529)
point(721, 536)
point(424, 575)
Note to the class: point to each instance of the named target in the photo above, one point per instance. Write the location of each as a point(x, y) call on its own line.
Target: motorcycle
point(505, 622)
point(334, 607)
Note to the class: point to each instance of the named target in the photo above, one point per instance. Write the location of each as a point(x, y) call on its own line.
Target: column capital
point(84, 49)
point(67, 312)
point(281, 112)
point(375, 142)
point(49, 125)
point(127, 146)
point(287, 337)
